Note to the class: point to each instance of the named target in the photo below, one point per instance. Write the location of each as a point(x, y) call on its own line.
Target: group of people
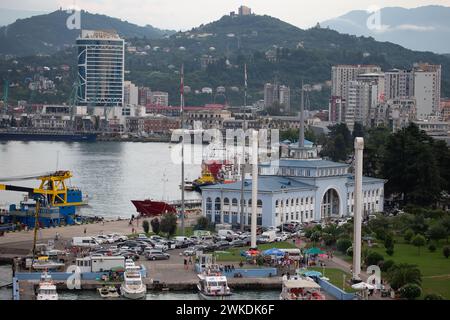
point(226, 268)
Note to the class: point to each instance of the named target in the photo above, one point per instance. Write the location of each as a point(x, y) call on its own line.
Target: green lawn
point(336, 277)
point(234, 254)
point(434, 266)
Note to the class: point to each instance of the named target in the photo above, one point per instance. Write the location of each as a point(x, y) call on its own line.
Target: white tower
point(254, 186)
point(357, 218)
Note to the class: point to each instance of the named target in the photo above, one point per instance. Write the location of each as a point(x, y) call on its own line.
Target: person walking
point(185, 264)
point(85, 230)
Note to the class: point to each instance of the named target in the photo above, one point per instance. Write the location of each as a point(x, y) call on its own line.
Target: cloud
point(413, 27)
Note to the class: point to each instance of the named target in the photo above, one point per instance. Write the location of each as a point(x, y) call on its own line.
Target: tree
point(409, 234)
point(169, 224)
point(156, 225)
point(402, 274)
point(146, 226)
point(437, 232)
point(343, 244)
point(410, 291)
point(385, 266)
point(358, 130)
point(374, 258)
point(339, 143)
point(418, 241)
point(446, 252)
point(202, 223)
point(432, 247)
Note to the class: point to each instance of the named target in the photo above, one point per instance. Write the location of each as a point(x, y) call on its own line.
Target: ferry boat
point(47, 289)
point(299, 288)
point(133, 286)
point(213, 287)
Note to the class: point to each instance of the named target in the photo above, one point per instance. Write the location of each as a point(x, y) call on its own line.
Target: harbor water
point(110, 173)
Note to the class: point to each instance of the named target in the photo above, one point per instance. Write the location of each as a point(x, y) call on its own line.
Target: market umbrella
point(312, 274)
point(273, 252)
point(314, 251)
point(363, 286)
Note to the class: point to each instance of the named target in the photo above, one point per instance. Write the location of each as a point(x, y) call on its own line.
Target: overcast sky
point(183, 15)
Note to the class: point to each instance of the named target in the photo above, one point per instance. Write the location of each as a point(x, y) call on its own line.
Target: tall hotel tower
point(100, 69)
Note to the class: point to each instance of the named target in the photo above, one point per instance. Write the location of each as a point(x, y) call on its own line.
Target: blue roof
point(265, 184)
point(306, 142)
point(313, 163)
point(351, 180)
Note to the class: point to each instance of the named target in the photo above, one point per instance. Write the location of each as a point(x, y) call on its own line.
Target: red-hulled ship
point(149, 208)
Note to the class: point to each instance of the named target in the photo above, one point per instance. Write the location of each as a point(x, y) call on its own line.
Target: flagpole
point(182, 147)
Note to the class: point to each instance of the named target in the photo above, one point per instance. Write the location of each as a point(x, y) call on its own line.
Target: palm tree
point(402, 274)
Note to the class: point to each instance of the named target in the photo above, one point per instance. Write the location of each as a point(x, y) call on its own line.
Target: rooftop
point(265, 184)
point(308, 163)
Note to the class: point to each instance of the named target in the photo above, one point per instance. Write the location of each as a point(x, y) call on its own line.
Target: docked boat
point(206, 179)
point(301, 289)
point(108, 292)
point(36, 135)
point(43, 263)
point(213, 287)
point(47, 289)
point(133, 286)
point(149, 208)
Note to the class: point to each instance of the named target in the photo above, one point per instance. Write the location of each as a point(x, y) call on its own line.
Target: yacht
point(108, 292)
point(133, 286)
point(47, 289)
point(213, 287)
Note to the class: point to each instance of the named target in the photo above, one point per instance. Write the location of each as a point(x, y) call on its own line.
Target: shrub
point(409, 234)
point(433, 296)
point(418, 241)
point(402, 274)
point(169, 224)
point(432, 248)
point(390, 251)
point(410, 291)
point(446, 252)
point(146, 226)
point(349, 252)
point(385, 266)
point(156, 225)
point(374, 258)
point(343, 244)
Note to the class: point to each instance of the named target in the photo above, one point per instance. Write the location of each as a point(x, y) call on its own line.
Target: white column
point(254, 186)
point(359, 148)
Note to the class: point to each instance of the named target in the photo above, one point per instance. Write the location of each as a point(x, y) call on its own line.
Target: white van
point(180, 239)
point(86, 242)
point(227, 234)
point(269, 235)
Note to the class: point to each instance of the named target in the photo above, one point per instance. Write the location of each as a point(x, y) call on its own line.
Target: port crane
point(52, 192)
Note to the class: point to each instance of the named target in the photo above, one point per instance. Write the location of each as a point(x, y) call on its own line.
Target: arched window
point(208, 204)
point(217, 204)
point(259, 203)
point(234, 202)
point(226, 202)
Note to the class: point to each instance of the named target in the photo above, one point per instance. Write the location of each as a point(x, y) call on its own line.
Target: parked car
point(157, 255)
point(128, 254)
point(222, 245)
point(117, 237)
point(189, 252)
point(238, 243)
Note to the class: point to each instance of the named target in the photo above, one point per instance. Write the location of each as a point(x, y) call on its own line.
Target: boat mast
point(182, 147)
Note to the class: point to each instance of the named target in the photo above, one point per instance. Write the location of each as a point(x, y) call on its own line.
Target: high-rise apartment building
point(427, 89)
point(270, 95)
point(342, 74)
point(100, 69)
point(145, 96)
point(285, 98)
point(160, 99)
point(398, 84)
point(130, 94)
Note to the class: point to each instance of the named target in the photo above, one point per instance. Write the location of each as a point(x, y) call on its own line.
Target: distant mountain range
point(48, 33)
point(272, 49)
point(8, 16)
point(425, 28)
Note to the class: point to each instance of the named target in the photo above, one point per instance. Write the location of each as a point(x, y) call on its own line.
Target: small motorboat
point(47, 289)
point(213, 287)
point(109, 292)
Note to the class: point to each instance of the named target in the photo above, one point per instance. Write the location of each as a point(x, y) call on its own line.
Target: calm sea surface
point(110, 173)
